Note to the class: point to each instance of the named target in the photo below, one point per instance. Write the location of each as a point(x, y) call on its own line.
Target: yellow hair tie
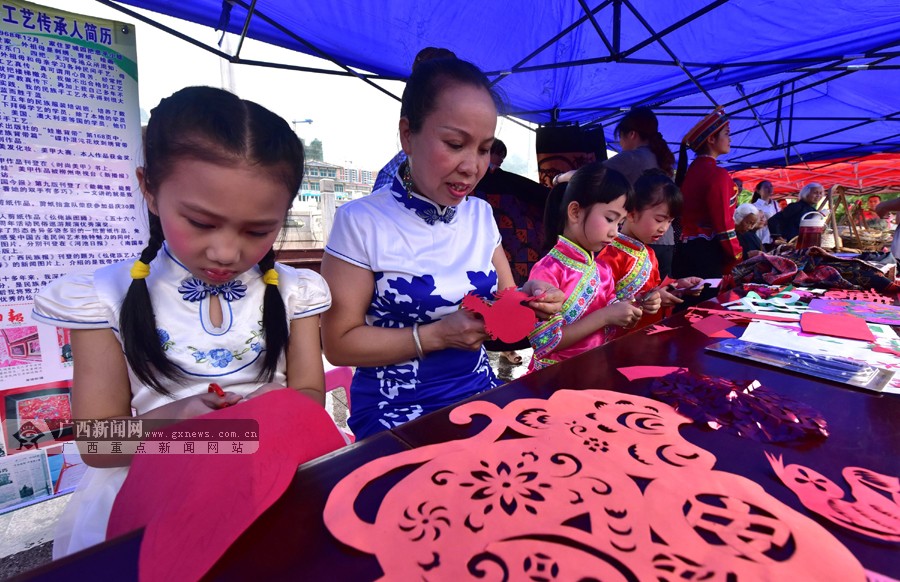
point(140, 270)
point(271, 277)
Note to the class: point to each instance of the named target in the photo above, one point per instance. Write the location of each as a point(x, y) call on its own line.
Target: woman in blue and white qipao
point(400, 260)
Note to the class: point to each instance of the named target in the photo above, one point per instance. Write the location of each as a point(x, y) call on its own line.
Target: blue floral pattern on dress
point(194, 289)
point(220, 357)
point(164, 339)
point(412, 301)
point(425, 209)
point(483, 283)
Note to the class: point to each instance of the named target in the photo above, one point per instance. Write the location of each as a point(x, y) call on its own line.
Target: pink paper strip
point(195, 507)
point(639, 372)
point(739, 315)
point(884, 350)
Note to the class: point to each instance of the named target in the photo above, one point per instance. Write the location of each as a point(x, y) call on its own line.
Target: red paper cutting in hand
point(505, 319)
point(836, 325)
point(872, 510)
point(562, 501)
point(195, 507)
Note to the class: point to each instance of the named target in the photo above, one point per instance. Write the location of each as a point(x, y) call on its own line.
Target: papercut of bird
point(505, 318)
point(874, 506)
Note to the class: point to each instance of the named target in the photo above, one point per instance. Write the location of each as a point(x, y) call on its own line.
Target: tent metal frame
point(746, 106)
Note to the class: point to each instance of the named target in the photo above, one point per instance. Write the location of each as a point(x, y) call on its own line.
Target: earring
point(407, 179)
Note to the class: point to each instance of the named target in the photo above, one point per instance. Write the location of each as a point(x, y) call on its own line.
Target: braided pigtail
point(274, 321)
point(137, 322)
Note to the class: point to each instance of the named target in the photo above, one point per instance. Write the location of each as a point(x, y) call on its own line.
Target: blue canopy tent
point(801, 81)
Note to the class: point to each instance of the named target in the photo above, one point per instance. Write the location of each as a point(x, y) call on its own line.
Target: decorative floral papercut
point(598, 485)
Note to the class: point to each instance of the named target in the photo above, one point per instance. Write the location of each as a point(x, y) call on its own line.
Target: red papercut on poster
point(505, 319)
point(597, 485)
point(868, 310)
point(874, 505)
point(714, 326)
point(836, 325)
point(638, 372)
point(872, 296)
point(195, 508)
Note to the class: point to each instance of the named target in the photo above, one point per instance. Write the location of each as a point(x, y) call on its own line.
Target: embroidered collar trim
point(424, 208)
point(575, 251)
point(194, 289)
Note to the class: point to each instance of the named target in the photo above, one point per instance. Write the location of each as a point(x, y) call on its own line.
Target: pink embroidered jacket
point(589, 285)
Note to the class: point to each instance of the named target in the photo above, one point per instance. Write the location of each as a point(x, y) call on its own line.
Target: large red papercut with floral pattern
point(598, 485)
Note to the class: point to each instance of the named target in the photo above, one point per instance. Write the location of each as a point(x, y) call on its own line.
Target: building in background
point(305, 228)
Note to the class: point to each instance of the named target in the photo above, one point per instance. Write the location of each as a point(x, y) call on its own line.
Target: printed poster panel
point(24, 479)
point(70, 140)
point(69, 144)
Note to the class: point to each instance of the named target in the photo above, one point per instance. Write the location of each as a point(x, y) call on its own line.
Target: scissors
point(641, 299)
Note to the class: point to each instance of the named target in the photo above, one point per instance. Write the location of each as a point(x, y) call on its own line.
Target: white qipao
point(425, 259)
point(230, 354)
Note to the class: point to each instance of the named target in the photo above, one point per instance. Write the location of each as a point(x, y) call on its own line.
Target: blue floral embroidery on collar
point(194, 289)
point(424, 209)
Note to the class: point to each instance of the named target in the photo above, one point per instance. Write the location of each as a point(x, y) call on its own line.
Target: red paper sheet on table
point(638, 372)
point(873, 507)
point(836, 325)
point(505, 319)
point(714, 326)
point(195, 507)
point(597, 484)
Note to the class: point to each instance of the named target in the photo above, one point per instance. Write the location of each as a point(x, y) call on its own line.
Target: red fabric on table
point(195, 507)
point(836, 325)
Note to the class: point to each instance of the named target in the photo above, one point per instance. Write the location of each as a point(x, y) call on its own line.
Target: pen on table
point(837, 365)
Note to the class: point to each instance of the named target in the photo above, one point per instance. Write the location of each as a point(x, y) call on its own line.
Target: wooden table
point(291, 540)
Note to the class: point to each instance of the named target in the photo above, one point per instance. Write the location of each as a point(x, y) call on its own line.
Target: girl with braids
point(205, 301)
point(582, 217)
